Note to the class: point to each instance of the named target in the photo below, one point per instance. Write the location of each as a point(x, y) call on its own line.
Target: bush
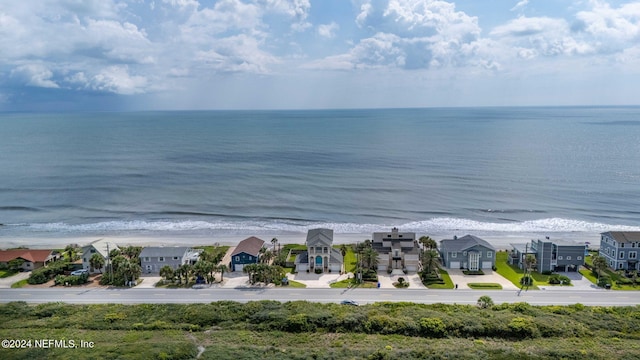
point(526, 280)
point(318, 271)
point(559, 279)
point(37, 277)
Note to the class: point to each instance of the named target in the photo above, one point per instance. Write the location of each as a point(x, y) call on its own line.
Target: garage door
point(454, 265)
point(239, 267)
point(487, 264)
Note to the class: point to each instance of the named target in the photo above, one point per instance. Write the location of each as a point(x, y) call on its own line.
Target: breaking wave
point(434, 225)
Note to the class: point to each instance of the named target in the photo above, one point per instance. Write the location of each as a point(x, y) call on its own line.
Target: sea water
point(445, 171)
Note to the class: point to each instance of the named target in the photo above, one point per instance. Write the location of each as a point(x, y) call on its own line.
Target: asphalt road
point(363, 296)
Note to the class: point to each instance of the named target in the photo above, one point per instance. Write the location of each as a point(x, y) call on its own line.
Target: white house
point(320, 254)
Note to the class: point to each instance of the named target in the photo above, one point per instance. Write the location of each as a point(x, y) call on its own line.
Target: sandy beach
point(500, 241)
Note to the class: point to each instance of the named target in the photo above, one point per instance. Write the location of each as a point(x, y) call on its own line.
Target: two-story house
point(550, 255)
point(468, 252)
point(320, 254)
point(396, 250)
point(154, 258)
point(620, 248)
point(247, 252)
point(101, 247)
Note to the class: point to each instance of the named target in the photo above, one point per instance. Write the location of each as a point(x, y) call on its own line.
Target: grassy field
point(19, 284)
point(302, 330)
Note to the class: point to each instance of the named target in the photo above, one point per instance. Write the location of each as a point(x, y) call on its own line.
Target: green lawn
point(612, 274)
point(19, 284)
point(512, 273)
point(296, 284)
point(485, 286)
point(345, 284)
point(350, 260)
point(448, 284)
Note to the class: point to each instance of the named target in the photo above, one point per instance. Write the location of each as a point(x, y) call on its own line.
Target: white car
point(79, 272)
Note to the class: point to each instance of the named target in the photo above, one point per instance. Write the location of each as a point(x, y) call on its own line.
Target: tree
point(274, 241)
point(428, 243)
point(370, 258)
point(204, 269)
point(599, 265)
point(167, 273)
point(266, 256)
point(72, 252)
point(132, 251)
point(15, 264)
point(529, 261)
point(430, 261)
point(222, 268)
point(96, 262)
point(343, 250)
point(485, 302)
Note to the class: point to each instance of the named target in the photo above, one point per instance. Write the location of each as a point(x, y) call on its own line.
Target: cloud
point(117, 79)
point(35, 75)
point(410, 34)
point(520, 5)
point(328, 30)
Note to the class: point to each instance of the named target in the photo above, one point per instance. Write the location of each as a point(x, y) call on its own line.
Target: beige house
point(102, 247)
point(396, 250)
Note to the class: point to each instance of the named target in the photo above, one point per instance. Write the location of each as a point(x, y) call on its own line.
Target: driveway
point(386, 280)
point(148, 282)
point(578, 281)
point(489, 277)
point(313, 280)
point(5, 283)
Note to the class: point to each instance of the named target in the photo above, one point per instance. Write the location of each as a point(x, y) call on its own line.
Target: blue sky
point(279, 54)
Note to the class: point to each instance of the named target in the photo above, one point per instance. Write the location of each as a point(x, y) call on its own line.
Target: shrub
point(485, 302)
point(318, 271)
point(526, 280)
point(559, 279)
point(432, 327)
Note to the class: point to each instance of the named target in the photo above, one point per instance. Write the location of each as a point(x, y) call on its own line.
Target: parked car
point(349, 302)
point(79, 272)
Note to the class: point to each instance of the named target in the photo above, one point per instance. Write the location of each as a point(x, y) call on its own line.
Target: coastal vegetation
point(304, 330)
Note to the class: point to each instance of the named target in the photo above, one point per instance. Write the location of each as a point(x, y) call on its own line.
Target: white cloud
point(520, 5)
point(35, 75)
point(612, 29)
point(328, 30)
point(116, 79)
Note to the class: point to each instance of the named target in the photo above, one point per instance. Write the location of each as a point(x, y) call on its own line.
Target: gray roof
point(163, 251)
point(523, 247)
point(323, 236)
point(463, 243)
point(101, 246)
point(624, 236)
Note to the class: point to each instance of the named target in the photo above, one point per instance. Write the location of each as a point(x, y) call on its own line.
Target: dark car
point(349, 302)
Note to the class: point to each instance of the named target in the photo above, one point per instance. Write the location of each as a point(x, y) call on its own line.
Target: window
point(489, 254)
point(237, 258)
point(85, 259)
point(161, 258)
point(611, 263)
point(454, 254)
point(620, 266)
point(176, 258)
point(633, 254)
point(613, 253)
point(568, 257)
point(621, 254)
point(149, 267)
point(559, 257)
point(464, 253)
point(622, 245)
point(606, 250)
point(147, 259)
point(579, 257)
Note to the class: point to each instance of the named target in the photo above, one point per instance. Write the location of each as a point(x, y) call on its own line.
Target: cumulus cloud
point(35, 75)
point(328, 30)
point(410, 34)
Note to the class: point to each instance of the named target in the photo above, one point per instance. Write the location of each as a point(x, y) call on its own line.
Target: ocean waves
point(439, 225)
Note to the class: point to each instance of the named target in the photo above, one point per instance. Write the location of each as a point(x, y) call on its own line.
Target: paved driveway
point(489, 277)
point(578, 281)
point(148, 282)
point(386, 280)
point(5, 283)
point(313, 280)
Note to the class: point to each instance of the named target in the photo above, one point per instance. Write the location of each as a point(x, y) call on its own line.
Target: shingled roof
point(624, 236)
point(26, 254)
point(251, 246)
point(463, 243)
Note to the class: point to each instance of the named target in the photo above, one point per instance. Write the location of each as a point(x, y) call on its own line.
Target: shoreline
point(501, 241)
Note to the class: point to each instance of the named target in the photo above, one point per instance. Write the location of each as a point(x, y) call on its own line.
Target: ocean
point(493, 172)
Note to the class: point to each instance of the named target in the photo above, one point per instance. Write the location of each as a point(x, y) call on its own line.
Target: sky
point(59, 55)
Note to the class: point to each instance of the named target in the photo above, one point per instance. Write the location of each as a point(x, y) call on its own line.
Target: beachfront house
point(396, 250)
point(31, 259)
point(468, 252)
point(320, 255)
point(101, 247)
point(550, 255)
point(247, 252)
point(620, 248)
point(154, 258)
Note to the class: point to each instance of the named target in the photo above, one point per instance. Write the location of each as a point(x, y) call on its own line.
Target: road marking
point(159, 294)
point(114, 294)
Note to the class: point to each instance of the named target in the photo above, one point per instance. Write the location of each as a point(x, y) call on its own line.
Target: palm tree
point(428, 243)
point(370, 258)
point(274, 241)
point(343, 250)
point(222, 268)
point(167, 272)
point(430, 261)
point(266, 257)
point(72, 252)
point(96, 262)
point(599, 265)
